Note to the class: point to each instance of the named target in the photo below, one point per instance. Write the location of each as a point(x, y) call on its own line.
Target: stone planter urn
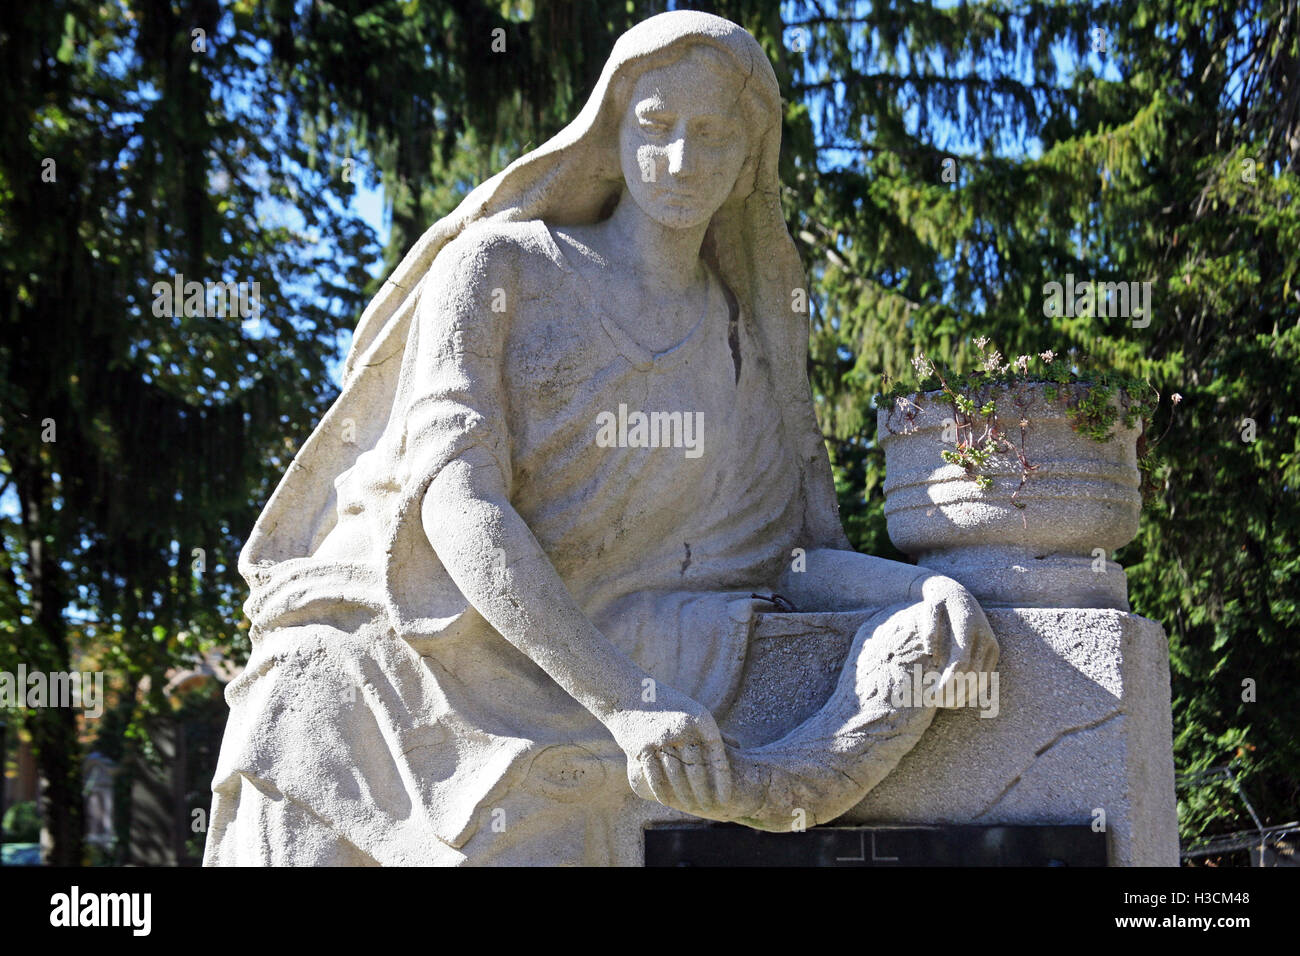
point(1080, 733)
point(1033, 538)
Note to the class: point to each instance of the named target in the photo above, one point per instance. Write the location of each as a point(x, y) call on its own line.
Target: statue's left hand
point(960, 622)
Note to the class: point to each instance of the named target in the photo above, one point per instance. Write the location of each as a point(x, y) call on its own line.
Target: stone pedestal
point(1082, 732)
point(1081, 735)
point(1077, 731)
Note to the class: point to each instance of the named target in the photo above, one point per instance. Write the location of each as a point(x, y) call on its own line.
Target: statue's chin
point(674, 215)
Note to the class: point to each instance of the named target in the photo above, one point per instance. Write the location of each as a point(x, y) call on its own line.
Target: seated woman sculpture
point(502, 599)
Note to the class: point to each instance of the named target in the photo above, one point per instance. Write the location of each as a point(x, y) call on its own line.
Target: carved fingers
point(676, 755)
point(694, 778)
point(962, 636)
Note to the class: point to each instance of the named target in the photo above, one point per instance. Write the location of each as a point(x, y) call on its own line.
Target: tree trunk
point(58, 754)
point(53, 729)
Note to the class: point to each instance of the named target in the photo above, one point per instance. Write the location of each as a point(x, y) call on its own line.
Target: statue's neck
point(665, 258)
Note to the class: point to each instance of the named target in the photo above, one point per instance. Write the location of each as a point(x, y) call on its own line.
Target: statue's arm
point(493, 557)
point(458, 421)
point(836, 580)
point(469, 520)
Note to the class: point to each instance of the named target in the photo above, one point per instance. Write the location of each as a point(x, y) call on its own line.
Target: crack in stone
point(1091, 725)
point(387, 358)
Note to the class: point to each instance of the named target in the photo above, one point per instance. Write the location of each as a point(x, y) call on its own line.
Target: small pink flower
point(1049, 356)
point(1175, 398)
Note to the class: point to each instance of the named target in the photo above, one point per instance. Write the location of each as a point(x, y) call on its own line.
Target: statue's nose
point(679, 159)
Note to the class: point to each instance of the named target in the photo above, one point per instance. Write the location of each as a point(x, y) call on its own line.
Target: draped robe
point(660, 546)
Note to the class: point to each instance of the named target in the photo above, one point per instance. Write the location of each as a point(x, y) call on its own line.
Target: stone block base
point(1083, 728)
point(1082, 733)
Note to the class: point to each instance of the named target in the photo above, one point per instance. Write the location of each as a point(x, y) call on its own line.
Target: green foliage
point(1094, 400)
point(434, 98)
point(127, 157)
point(22, 823)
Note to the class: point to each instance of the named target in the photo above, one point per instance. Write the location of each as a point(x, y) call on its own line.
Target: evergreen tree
point(139, 437)
point(969, 154)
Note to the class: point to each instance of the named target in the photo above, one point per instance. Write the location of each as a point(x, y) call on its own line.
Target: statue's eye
point(656, 125)
point(713, 131)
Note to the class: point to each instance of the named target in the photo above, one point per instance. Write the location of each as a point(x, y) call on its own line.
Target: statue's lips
point(689, 197)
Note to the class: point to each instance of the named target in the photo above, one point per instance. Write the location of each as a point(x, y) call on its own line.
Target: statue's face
point(682, 140)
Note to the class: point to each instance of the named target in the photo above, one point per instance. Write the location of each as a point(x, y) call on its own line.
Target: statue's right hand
point(675, 754)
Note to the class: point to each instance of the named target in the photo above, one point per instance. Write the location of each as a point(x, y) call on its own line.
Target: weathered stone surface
point(1083, 730)
point(514, 598)
point(794, 663)
point(1082, 724)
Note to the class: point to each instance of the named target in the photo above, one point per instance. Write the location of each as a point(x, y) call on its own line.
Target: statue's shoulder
point(518, 251)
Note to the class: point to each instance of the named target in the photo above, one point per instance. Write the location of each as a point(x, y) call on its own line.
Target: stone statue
point(504, 598)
